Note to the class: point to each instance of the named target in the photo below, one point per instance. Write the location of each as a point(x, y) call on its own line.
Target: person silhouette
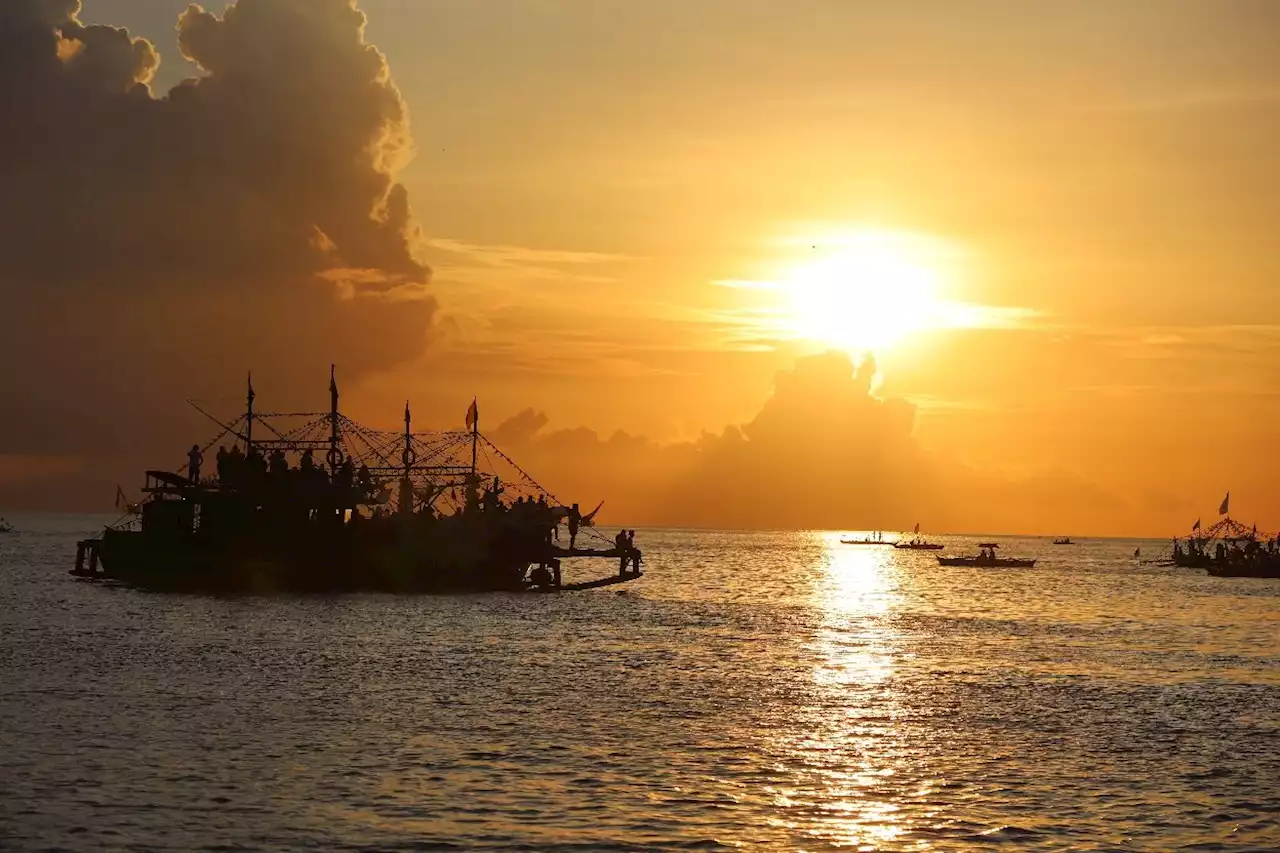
point(575, 521)
point(194, 459)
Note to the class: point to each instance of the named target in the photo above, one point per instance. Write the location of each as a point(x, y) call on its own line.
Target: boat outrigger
point(987, 559)
point(384, 511)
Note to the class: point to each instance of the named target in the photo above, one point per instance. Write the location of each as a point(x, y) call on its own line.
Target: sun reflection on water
point(844, 747)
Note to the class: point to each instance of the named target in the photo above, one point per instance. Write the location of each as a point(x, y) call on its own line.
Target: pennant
point(250, 384)
point(1226, 502)
point(917, 530)
point(473, 416)
point(120, 498)
point(588, 520)
point(1196, 526)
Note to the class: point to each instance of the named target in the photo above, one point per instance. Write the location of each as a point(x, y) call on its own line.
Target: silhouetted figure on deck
point(635, 552)
point(308, 463)
point(221, 464)
point(279, 466)
point(343, 479)
point(624, 551)
point(194, 459)
point(575, 521)
point(365, 480)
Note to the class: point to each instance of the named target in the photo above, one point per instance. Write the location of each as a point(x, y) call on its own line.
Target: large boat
point(915, 543)
point(386, 511)
point(1229, 549)
point(987, 559)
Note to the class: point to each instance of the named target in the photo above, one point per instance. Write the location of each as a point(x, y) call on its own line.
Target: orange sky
point(638, 214)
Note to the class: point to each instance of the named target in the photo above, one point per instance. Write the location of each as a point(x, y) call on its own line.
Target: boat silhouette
point(384, 511)
point(987, 558)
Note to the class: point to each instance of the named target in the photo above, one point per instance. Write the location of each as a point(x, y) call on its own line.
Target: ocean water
point(753, 691)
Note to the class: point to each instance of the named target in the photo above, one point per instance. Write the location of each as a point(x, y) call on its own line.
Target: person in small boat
point(194, 459)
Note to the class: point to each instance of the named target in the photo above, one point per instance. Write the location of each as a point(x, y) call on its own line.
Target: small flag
point(250, 383)
point(917, 530)
point(1196, 526)
point(473, 416)
point(1226, 502)
point(333, 386)
point(120, 498)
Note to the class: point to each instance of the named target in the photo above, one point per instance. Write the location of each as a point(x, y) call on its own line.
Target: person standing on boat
point(575, 521)
point(624, 550)
point(635, 552)
point(194, 459)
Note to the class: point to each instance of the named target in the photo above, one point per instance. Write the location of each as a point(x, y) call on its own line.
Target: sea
point(753, 691)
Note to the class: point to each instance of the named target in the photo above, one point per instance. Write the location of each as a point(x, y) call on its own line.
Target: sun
point(866, 291)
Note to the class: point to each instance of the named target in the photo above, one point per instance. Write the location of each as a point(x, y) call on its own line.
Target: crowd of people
point(526, 525)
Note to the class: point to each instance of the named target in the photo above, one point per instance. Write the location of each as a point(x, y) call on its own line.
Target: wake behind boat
point(987, 559)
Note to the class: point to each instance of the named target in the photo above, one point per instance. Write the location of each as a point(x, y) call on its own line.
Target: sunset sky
point(1055, 225)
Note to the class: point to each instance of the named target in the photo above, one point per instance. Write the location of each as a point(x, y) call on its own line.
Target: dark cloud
point(152, 246)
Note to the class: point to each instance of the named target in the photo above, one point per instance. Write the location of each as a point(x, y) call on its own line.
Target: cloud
point(823, 451)
point(150, 245)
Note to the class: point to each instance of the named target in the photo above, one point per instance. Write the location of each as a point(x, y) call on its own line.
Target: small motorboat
point(987, 559)
point(1065, 540)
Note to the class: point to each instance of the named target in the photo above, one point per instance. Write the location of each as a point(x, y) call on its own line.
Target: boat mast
point(405, 457)
point(334, 462)
point(475, 437)
point(248, 418)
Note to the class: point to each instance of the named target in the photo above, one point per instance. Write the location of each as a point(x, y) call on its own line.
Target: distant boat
point(1065, 540)
point(878, 540)
point(5, 527)
point(916, 543)
point(987, 559)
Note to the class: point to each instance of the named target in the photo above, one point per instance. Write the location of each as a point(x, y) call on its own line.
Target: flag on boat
point(250, 384)
point(1226, 502)
point(473, 416)
point(917, 530)
point(121, 500)
point(1196, 526)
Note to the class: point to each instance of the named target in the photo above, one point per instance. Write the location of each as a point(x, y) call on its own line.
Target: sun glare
point(867, 292)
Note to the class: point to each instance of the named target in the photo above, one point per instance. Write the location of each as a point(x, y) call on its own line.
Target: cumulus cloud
point(151, 245)
point(824, 451)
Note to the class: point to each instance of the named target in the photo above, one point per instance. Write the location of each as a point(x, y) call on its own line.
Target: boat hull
point(332, 563)
point(979, 562)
